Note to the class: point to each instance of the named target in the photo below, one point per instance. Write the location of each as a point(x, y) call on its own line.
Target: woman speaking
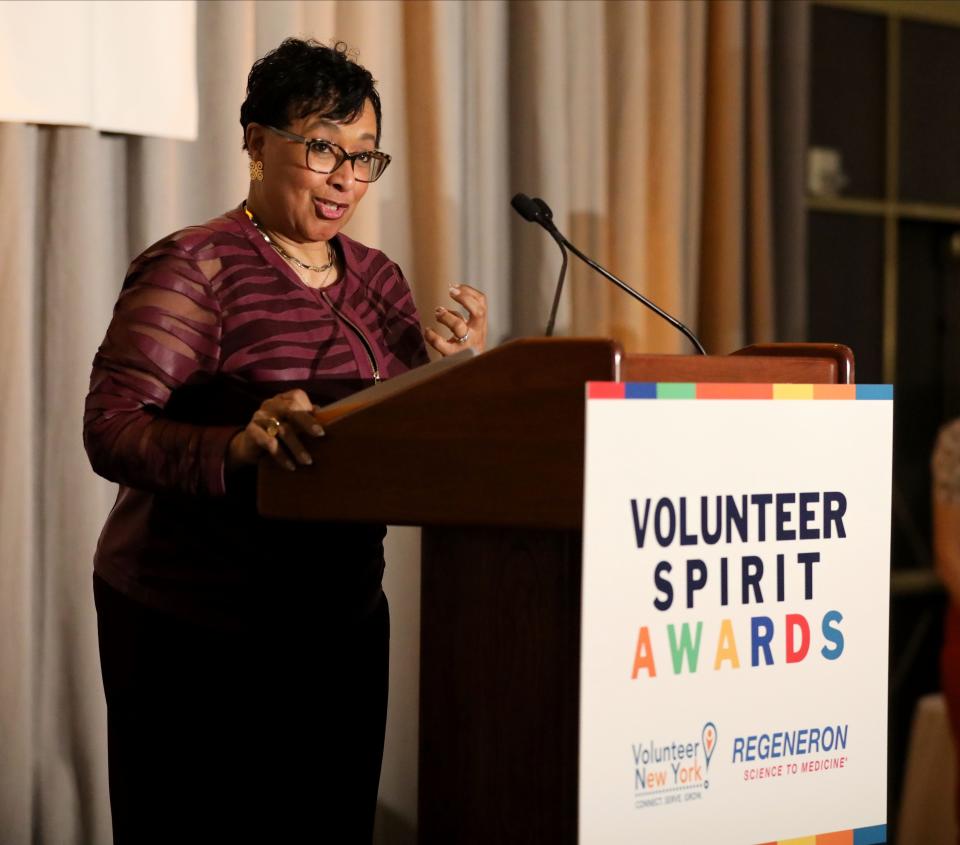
point(244, 660)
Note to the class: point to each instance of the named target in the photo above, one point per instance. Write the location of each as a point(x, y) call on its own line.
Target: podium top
point(498, 439)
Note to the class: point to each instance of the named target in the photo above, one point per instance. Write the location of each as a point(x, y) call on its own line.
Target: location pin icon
point(709, 737)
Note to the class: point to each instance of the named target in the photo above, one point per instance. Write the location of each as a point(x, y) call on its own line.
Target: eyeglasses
point(325, 157)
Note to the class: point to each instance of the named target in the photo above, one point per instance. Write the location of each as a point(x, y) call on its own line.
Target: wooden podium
point(488, 457)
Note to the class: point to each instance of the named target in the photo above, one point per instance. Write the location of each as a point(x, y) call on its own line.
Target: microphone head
point(526, 208)
point(545, 210)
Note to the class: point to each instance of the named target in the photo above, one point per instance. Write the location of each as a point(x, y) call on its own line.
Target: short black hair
point(305, 77)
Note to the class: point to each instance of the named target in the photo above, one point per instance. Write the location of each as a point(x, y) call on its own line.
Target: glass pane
point(848, 95)
point(930, 114)
point(845, 272)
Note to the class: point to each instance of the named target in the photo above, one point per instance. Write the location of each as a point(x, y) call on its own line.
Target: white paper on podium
point(691, 731)
point(121, 66)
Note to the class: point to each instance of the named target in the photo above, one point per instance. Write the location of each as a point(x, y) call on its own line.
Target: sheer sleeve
point(165, 333)
point(945, 464)
point(404, 335)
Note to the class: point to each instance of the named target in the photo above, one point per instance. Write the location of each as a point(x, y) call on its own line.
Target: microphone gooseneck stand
point(537, 211)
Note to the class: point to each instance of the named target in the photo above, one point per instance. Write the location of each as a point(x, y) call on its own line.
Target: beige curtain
point(644, 125)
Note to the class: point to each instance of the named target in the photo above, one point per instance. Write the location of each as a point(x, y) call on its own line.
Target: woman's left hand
point(467, 332)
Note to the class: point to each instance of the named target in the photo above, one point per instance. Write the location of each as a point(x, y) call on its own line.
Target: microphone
point(537, 211)
point(527, 208)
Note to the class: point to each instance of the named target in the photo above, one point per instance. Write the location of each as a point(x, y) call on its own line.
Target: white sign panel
point(122, 66)
point(735, 613)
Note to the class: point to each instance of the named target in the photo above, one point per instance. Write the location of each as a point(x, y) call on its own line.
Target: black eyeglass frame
point(342, 154)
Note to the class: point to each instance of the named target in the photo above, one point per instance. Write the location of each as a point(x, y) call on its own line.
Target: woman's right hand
point(278, 422)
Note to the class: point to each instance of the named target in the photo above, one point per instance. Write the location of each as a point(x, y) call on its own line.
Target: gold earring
point(256, 171)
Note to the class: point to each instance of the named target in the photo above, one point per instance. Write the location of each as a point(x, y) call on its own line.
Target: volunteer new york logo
point(674, 771)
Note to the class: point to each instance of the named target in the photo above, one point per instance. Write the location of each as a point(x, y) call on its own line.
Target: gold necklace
point(316, 268)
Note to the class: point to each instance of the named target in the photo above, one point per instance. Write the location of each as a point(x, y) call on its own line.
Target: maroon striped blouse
point(210, 322)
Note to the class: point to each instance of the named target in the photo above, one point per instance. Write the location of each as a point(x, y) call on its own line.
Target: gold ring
point(271, 425)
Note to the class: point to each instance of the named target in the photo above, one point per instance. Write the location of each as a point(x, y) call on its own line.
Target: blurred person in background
point(945, 467)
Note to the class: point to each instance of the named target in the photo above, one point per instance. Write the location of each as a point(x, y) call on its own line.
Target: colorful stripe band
point(876, 835)
point(710, 390)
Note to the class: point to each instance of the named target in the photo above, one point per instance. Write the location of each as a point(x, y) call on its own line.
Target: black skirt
point(270, 735)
